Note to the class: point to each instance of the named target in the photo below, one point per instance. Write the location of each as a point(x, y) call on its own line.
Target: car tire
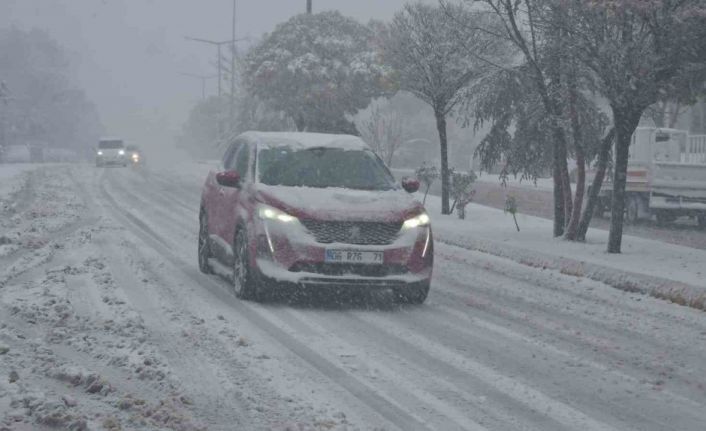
point(244, 281)
point(664, 218)
point(632, 209)
point(414, 295)
point(204, 245)
point(701, 220)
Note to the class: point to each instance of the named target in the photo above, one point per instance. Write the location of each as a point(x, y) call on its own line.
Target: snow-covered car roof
point(306, 140)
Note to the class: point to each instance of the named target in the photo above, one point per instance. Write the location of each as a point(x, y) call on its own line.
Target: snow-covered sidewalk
point(654, 267)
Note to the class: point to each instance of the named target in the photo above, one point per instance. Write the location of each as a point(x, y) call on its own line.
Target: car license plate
point(354, 256)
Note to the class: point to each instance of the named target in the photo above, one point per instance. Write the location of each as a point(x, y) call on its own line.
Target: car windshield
point(110, 145)
point(323, 167)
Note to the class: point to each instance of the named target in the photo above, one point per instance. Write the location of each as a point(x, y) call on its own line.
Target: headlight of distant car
point(100, 153)
point(266, 212)
point(121, 152)
point(420, 220)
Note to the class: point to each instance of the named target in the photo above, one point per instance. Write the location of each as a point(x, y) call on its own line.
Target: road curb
point(658, 287)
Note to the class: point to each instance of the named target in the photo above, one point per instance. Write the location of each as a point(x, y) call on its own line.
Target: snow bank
point(659, 269)
point(12, 178)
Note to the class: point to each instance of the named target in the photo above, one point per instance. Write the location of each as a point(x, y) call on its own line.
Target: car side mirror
point(228, 179)
point(411, 185)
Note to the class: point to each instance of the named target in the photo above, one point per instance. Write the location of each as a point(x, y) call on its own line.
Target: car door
point(229, 196)
point(213, 193)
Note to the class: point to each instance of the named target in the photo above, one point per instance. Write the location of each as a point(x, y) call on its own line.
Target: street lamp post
point(218, 45)
point(203, 79)
point(221, 67)
point(4, 98)
point(231, 111)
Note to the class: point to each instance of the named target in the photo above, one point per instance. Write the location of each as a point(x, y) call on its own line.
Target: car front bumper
point(111, 160)
point(283, 255)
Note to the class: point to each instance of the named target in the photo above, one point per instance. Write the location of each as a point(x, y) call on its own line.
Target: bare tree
point(429, 54)
point(382, 128)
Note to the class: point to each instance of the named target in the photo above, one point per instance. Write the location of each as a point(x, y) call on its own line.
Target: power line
point(203, 79)
point(218, 44)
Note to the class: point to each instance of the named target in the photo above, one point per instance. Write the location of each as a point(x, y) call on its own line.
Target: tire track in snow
point(27, 260)
point(592, 335)
point(541, 300)
point(459, 375)
point(401, 389)
point(391, 412)
point(530, 284)
point(214, 400)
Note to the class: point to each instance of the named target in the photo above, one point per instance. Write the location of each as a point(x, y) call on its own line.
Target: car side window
point(242, 162)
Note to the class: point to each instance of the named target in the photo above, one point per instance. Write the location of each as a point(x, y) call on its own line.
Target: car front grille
point(360, 233)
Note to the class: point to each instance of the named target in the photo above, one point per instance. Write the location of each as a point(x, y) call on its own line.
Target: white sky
point(129, 53)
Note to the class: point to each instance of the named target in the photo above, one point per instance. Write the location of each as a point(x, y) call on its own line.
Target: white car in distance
point(111, 152)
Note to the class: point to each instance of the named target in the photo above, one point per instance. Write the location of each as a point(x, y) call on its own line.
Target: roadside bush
point(511, 207)
point(462, 191)
point(427, 175)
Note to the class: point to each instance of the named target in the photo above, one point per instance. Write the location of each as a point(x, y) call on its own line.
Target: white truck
point(666, 177)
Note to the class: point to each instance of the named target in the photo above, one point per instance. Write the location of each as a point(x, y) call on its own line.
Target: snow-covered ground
point(12, 178)
point(493, 231)
point(106, 323)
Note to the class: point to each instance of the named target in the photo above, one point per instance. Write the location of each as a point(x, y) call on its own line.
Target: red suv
point(312, 210)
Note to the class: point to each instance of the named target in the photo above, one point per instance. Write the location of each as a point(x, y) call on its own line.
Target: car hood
point(341, 204)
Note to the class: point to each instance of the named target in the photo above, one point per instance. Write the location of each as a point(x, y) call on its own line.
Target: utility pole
point(222, 68)
point(218, 45)
point(203, 79)
point(4, 98)
point(308, 6)
point(232, 69)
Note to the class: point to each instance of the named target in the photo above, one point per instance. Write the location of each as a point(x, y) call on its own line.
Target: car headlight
point(121, 152)
point(266, 212)
point(418, 221)
point(100, 153)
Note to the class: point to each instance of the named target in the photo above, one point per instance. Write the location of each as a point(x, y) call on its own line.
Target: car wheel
point(415, 295)
point(701, 219)
point(244, 285)
point(204, 245)
point(632, 209)
point(664, 218)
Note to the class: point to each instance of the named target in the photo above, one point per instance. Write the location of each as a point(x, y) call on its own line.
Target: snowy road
point(112, 294)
